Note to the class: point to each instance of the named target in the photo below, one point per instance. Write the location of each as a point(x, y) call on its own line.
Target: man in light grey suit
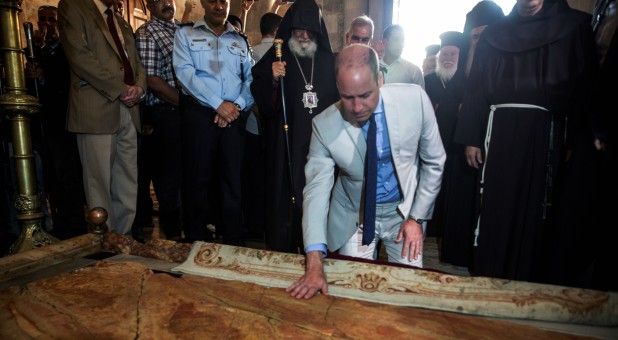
point(107, 83)
point(410, 159)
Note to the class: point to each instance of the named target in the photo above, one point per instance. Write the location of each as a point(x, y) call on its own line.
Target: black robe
point(446, 99)
point(546, 60)
point(605, 234)
point(455, 205)
point(284, 231)
point(284, 219)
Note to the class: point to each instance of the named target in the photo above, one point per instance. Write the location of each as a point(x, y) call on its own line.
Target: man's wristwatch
point(418, 220)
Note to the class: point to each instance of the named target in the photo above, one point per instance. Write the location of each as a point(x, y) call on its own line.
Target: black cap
point(485, 12)
point(452, 38)
point(432, 50)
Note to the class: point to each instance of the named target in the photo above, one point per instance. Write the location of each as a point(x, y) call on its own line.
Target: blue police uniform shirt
point(210, 68)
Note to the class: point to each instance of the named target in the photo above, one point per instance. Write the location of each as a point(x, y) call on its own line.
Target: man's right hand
point(131, 95)
point(314, 279)
point(227, 112)
point(34, 71)
point(474, 157)
point(38, 36)
point(278, 70)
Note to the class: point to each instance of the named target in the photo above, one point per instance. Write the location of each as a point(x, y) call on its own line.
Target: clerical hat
point(432, 50)
point(452, 38)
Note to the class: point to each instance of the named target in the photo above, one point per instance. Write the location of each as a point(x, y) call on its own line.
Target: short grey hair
point(362, 20)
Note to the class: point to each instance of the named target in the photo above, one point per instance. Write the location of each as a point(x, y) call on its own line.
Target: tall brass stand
point(18, 106)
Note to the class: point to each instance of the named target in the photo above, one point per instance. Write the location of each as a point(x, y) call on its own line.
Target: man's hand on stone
point(314, 279)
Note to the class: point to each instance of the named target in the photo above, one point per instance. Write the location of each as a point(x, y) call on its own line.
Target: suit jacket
point(96, 68)
point(332, 214)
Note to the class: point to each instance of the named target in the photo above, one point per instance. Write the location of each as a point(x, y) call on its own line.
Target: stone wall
point(337, 14)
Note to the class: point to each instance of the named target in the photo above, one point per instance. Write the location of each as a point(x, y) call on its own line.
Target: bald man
point(409, 156)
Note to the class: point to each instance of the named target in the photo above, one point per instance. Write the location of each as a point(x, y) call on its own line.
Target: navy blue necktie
point(371, 179)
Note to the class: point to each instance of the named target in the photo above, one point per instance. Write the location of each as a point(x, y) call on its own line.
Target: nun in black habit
point(309, 87)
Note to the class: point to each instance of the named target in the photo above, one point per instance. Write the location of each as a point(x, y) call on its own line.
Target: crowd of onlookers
point(506, 161)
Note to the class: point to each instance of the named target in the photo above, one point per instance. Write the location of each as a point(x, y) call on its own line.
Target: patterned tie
point(371, 179)
point(128, 70)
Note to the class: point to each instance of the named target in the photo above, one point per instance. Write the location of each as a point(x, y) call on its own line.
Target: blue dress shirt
point(388, 187)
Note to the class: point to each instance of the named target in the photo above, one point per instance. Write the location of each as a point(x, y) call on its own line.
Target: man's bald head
point(357, 56)
point(358, 82)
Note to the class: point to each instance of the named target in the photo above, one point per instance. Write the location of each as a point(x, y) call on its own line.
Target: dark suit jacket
point(96, 68)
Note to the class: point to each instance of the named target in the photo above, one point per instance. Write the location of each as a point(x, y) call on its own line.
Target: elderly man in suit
point(384, 140)
point(107, 83)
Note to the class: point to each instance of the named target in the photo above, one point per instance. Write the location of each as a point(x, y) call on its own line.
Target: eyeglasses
point(50, 19)
point(47, 7)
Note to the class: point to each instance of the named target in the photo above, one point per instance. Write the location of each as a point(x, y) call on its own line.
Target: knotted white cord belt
point(490, 122)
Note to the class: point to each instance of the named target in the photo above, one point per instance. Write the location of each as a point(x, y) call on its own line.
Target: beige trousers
point(109, 163)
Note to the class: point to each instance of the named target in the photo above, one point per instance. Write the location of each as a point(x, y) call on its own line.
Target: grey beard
point(445, 74)
point(299, 51)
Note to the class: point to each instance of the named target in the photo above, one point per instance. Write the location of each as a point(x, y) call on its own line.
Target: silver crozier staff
point(279, 54)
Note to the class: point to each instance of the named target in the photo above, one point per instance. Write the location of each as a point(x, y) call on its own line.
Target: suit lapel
point(355, 134)
point(100, 20)
point(392, 114)
point(358, 140)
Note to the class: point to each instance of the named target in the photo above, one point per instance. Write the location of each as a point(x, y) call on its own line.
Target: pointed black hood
point(518, 34)
point(306, 15)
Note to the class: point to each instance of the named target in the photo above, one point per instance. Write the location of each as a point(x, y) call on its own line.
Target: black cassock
point(446, 99)
point(527, 223)
point(453, 217)
point(284, 232)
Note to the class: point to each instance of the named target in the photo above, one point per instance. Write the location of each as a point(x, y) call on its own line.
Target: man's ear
point(380, 78)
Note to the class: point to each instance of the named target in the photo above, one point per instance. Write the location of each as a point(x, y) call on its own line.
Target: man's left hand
point(245, 5)
point(228, 112)
point(131, 96)
point(411, 232)
point(313, 281)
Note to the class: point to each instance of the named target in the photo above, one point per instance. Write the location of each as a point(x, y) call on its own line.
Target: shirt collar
point(202, 22)
point(164, 23)
point(396, 61)
point(380, 107)
point(101, 6)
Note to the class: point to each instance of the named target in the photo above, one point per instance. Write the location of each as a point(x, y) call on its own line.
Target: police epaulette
point(183, 24)
point(246, 38)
